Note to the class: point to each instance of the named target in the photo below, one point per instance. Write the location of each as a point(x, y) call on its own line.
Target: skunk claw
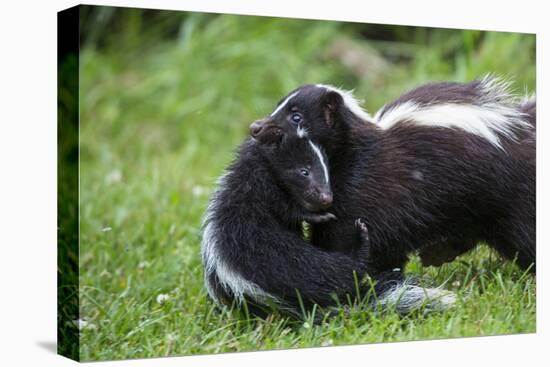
point(361, 226)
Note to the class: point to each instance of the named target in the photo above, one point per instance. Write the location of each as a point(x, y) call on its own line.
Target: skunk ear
point(332, 102)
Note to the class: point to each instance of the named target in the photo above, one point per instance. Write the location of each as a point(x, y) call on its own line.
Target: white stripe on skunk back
point(229, 279)
point(494, 114)
point(214, 263)
point(350, 102)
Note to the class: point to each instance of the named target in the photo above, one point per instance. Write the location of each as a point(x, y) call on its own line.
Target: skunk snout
point(265, 131)
point(325, 199)
point(257, 127)
point(317, 200)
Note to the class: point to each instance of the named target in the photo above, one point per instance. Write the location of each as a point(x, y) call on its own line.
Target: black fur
point(443, 92)
point(254, 227)
point(434, 189)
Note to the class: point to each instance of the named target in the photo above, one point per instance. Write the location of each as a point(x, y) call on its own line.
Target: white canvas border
point(28, 184)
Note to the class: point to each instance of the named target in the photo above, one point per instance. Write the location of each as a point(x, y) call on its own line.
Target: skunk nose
point(325, 199)
point(256, 127)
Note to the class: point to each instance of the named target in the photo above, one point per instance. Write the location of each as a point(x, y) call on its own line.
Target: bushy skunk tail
point(404, 294)
point(528, 106)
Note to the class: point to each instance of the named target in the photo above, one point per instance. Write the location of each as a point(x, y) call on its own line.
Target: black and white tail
point(405, 295)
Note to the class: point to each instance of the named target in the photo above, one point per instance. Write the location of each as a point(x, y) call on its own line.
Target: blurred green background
point(165, 98)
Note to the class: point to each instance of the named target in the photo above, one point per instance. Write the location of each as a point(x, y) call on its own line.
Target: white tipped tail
point(406, 297)
point(493, 115)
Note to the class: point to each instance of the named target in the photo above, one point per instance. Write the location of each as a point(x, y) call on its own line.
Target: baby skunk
point(253, 248)
point(440, 169)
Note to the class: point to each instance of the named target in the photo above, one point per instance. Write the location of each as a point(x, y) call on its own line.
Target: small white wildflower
point(397, 269)
point(144, 264)
point(198, 191)
point(162, 298)
point(106, 229)
point(307, 325)
point(113, 177)
point(456, 283)
point(285, 331)
point(83, 325)
point(171, 337)
point(327, 343)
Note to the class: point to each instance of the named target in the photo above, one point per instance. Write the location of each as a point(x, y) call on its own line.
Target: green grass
point(159, 122)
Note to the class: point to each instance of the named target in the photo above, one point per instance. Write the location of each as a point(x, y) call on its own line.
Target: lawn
point(160, 119)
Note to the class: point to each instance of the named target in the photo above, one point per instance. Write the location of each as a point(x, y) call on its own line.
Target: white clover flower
point(144, 264)
point(198, 191)
point(113, 177)
point(162, 298)
point(171, 337)
point(84, 325)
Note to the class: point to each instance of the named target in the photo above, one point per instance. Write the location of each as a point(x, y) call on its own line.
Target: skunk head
point(301, 168)
point(321, 113)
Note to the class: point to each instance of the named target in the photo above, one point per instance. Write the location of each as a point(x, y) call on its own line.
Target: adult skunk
point(253, 248)
point(439, 169)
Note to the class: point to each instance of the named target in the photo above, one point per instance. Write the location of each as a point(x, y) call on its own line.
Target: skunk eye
point(296, 117)
point(304, 172)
